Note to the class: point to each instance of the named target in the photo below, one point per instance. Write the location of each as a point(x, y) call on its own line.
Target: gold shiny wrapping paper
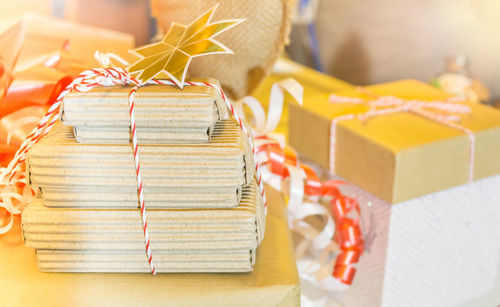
point(274, 281)
point(398, 156)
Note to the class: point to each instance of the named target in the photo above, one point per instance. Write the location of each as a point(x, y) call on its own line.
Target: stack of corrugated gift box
point(205, 211)
point(424, 168)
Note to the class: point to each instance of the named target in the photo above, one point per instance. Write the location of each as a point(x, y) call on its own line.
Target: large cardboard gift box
point(401, 155)
point(274, 281)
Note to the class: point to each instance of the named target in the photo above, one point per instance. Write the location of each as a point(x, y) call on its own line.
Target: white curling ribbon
point(323, 238)
point(319, 240)
point(104, 59)
point(316, 282)
point(7, 204)
point(296, 189)
point(259, 115)
point(7, 201)
point(315, 251)
point(263, 124)
point(10, 223)
point(298, 211)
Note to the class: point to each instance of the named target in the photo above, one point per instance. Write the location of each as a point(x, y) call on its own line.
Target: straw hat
point(257, 42)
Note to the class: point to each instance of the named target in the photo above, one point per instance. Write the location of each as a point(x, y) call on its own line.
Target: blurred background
point(361, 42)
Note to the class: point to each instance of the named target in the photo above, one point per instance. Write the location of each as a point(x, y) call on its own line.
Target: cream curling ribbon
point(315, 253)
point(15, 125)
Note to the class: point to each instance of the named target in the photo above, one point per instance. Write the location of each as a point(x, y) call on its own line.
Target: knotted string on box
point(445, 112)
point(87, 80)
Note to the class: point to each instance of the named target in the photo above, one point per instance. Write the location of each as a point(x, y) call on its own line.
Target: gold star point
point(172, 55)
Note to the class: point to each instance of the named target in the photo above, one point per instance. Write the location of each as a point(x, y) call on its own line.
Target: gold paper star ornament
point(172, 55)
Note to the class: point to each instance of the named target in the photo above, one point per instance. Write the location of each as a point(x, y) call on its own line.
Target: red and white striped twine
point(389, 104)
point(109, 77)
point(137, 162)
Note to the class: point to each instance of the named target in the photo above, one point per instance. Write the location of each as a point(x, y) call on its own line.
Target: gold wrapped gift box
point(397, 156)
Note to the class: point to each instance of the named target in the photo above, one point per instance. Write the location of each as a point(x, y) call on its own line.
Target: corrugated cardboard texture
point(112, 229)
point(145, 135)
point(399, 156)
point(184, 261)
point(155, 106)
point(182, 174)
point(274, 281)
point(120, 197)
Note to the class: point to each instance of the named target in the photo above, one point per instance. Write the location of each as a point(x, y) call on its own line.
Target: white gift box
point(438, 250)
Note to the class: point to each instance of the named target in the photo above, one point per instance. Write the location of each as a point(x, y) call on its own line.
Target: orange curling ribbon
point(279, 158)
point(313, 184)
point(29, 84)
point(325, 257)
point(348, 233)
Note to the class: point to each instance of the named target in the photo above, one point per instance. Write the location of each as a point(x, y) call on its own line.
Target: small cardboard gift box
point(164, 114)
point(399, 155)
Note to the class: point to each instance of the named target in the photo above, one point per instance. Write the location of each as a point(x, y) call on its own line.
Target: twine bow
point(445, 112)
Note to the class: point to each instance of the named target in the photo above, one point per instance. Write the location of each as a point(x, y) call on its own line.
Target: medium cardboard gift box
point(274, 281)
point(397, 156)
point(175, 176)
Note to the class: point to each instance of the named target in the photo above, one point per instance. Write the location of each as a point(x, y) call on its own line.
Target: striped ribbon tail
point(137, 162)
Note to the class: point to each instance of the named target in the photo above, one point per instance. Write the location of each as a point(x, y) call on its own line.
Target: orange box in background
point(131, 16)
point(18, 7)
point(42, 33)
